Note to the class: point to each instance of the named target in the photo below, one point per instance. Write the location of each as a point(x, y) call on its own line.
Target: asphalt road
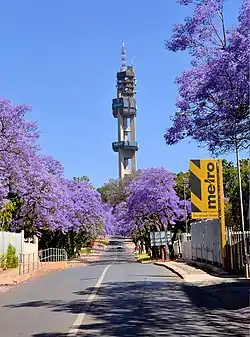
point(115, 297)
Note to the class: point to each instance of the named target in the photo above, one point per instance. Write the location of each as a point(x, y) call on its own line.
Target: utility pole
point(242, 212)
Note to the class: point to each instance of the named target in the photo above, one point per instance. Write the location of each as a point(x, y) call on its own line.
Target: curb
point(40, 272)
point(171, 269)
point(209, 269)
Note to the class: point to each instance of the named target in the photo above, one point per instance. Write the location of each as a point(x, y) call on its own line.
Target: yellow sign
point(204, 189)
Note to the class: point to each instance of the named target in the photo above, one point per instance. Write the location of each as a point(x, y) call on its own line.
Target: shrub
point(11, 258)
point(3, 261)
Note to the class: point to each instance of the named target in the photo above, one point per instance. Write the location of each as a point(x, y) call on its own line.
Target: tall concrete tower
point(124, 109)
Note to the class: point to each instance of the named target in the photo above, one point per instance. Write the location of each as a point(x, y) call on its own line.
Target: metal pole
point(222, 214)
point(20, 263)
point(242, 210)
point(28, 263)
point(185, 205)
point(249, 195)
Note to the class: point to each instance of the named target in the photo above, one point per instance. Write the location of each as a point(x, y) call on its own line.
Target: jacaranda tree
point(151, 205)
point(213, 102)
point(152, 198)
point(121, 223)
point(35, 195)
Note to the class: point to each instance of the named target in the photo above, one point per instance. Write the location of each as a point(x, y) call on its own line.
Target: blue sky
point(62, 56)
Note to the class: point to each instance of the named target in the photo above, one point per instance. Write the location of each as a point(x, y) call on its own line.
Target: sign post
point(204, 189)
point(159, 238)
point(207, 196)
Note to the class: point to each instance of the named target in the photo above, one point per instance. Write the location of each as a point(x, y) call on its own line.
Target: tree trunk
point(165, 253)
point(154, 253)
point(158, 253)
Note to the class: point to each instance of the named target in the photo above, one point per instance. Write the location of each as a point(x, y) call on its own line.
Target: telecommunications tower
point(124, 109)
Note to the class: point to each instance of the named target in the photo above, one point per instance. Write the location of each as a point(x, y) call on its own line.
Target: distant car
point(119, 247)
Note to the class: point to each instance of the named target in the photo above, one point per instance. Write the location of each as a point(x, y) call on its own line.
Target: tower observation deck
point(124, 109)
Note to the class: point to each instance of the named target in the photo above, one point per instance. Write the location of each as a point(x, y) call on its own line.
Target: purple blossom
point(214, 93)
point(47, 199)
point(151, 201)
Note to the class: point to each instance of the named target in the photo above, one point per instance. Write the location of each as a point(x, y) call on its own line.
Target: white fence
point(206, 241)
point(203, 244)
point(182, 246)
point(22, 245)
point(34, 261)
point(187, 250)
point(30, 245)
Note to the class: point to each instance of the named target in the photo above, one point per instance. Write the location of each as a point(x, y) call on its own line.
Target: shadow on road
point(230, 295)
point(154, 308)
point(51, 334)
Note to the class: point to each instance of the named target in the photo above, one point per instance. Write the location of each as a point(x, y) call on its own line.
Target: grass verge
point(143, 258)
point(86, 250)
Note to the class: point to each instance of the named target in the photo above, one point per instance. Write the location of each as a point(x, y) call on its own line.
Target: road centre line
point(80, 317)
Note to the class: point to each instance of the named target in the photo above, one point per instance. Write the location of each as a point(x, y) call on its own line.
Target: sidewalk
point(232, 293)
point(7, 277)
point(11, 277)
point(195, 275)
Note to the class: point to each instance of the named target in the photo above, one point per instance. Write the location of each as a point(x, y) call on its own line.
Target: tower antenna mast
point(125, 110)
point(123, 58)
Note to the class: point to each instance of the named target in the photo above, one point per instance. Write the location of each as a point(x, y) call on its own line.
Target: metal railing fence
point(235, 250)
point(34, 261)
point(235, 259)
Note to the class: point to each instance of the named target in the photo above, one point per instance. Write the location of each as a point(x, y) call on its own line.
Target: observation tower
point(124, 109)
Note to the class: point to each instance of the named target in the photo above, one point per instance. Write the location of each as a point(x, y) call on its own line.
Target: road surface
point(115, 297)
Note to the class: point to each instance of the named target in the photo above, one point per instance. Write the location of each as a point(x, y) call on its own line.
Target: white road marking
point(80, 318)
